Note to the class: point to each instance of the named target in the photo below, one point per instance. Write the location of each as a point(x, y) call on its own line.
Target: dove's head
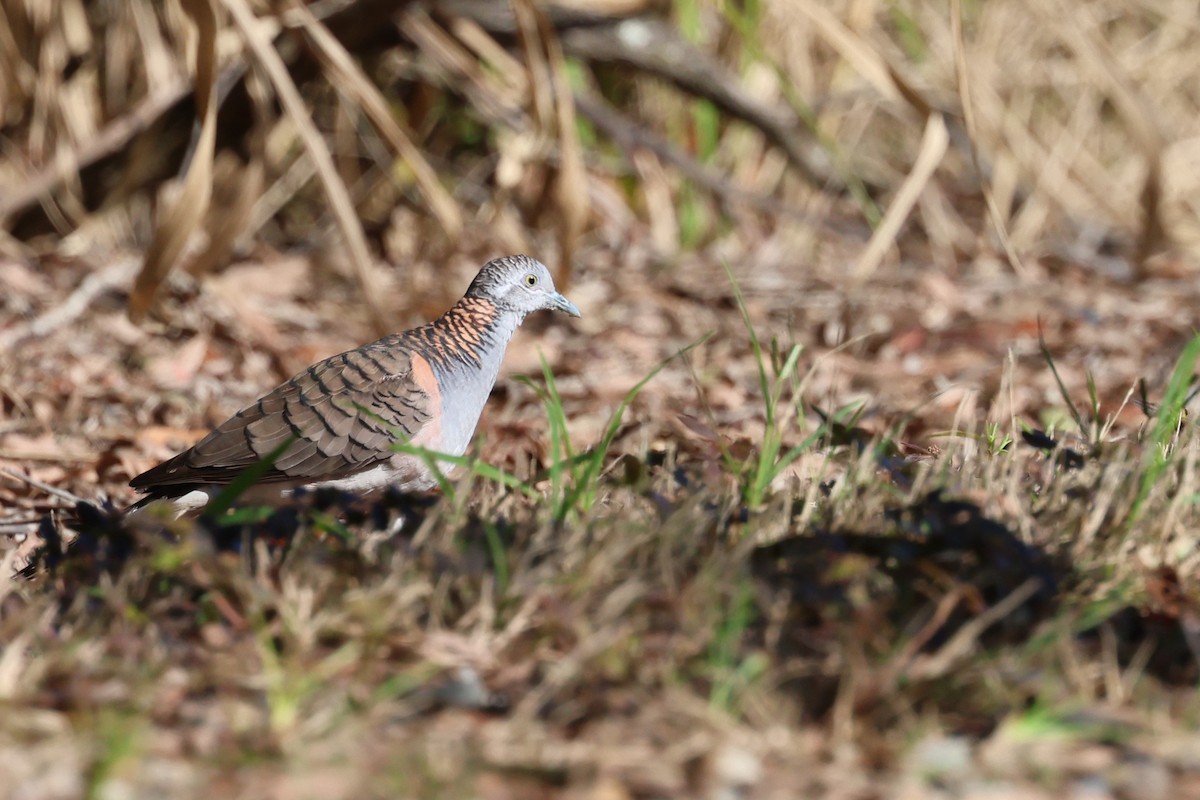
point(519, 284)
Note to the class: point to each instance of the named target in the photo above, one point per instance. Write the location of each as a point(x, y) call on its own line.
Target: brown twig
point(95, 284)
point(47, 458)
point(653, 46)
point(959, 646)
point(61, 494)
point(629, 135)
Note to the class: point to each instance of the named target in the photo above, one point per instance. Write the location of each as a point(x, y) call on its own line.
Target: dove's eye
point(531, 279)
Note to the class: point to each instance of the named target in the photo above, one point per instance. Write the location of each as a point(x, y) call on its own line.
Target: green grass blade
point(244, 480)
point(431, 459)
point(474, 465)
point(1166, 425)
point(1062, 387)
point(764, 382)
point(594, 465)
point(585, 468)
point(499, 557)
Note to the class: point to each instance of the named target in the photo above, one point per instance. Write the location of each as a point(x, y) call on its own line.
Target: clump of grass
point(780, 388)
point(733, 665)
point(575, 477)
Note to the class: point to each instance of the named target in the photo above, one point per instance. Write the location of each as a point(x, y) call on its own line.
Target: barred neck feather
point(475, 331)
point(464, 347)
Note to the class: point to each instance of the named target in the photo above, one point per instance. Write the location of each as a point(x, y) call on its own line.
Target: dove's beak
point(557, 301)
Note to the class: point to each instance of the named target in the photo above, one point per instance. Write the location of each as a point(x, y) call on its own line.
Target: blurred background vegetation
point(1032, 133)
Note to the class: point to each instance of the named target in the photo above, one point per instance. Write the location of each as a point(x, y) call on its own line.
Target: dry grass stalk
point(570, 188)
point(189, 208)
point(257, 39)
point(933, 148)
point(968, 112)
point(349, 77)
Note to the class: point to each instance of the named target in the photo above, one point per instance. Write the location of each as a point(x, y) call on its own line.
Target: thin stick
point(933, 147)
point(964, 99)
point(22, 528)
point(61, 494)
point(95, 284)
point(47, 458)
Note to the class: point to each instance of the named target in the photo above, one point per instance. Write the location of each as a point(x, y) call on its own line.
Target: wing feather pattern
point(322, 408)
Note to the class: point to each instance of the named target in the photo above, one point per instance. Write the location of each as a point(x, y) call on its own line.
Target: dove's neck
point(472, 336)
point(465, 347)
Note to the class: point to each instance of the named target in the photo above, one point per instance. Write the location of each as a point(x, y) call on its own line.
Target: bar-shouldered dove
point(426, 386)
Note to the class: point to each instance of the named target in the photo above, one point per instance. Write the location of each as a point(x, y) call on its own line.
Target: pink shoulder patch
point(430, 434)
